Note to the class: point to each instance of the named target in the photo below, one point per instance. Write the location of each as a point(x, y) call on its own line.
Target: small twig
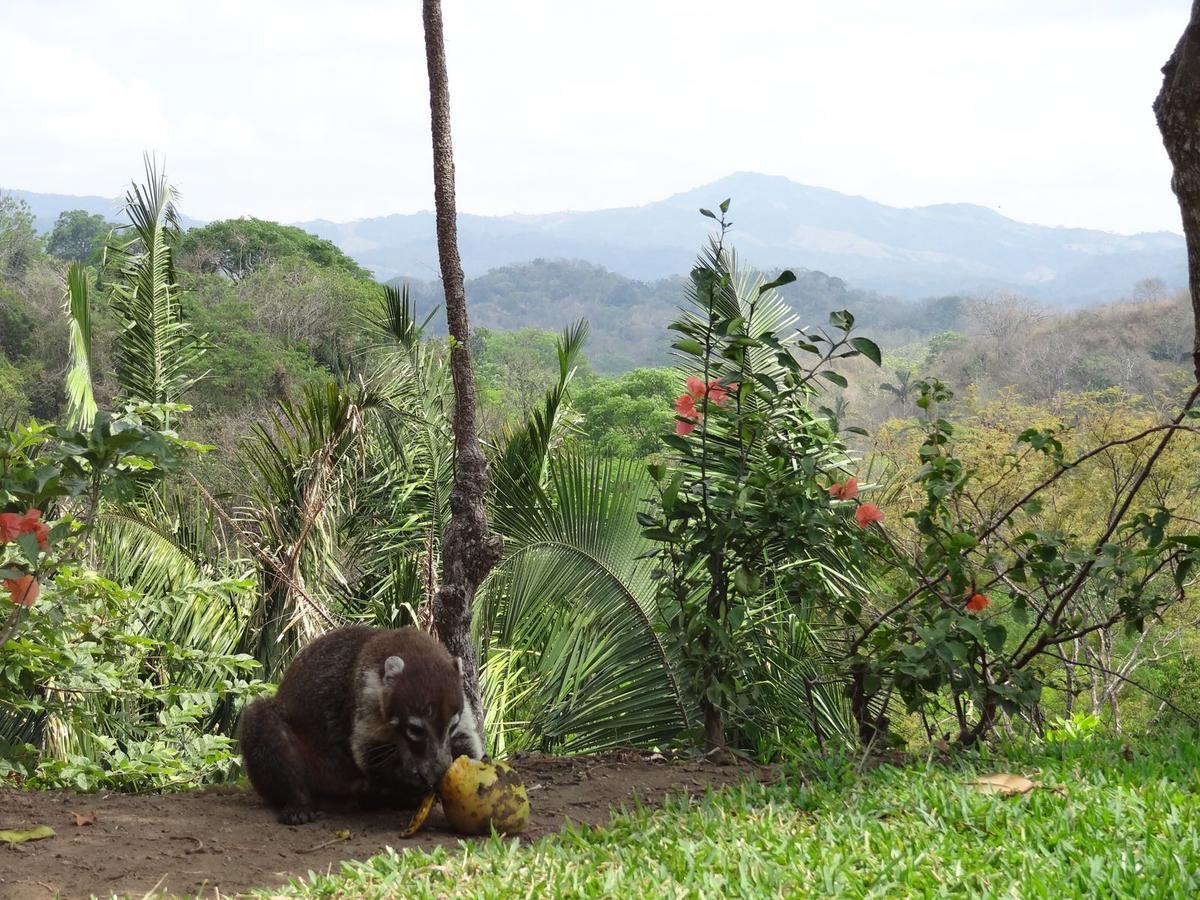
point(190, 837)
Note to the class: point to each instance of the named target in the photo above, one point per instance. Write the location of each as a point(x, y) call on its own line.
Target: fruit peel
point(419, 817)
point(479, 797)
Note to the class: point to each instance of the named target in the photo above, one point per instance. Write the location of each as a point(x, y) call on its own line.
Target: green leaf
point(995, 635)
point(29, 546)
point(834, 377)
point(963, 541)
point(766, 381)
point(688, 345)
point(707, 212)
point(1183, 570)
point(725, 205)
point(841, 319)
point(787, 276)
point(745, 581)
point(30, 834)
point(658, 471)
point(677, 441)
point(867, 348)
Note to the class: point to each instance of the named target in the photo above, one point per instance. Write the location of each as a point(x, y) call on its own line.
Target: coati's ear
point(392, 667)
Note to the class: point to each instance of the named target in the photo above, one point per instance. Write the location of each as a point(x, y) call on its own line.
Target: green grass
point(1115, 826)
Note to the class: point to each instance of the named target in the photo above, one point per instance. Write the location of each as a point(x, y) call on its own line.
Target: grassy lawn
point(1107, 822)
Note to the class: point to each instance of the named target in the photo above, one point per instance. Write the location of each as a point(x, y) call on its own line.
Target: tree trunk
point(469, 549)
point(1177, 109)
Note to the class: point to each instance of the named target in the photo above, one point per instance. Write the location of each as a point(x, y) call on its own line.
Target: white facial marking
point(416, 728)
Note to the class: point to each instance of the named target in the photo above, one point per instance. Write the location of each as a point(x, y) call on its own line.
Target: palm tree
point(904, 389)
point(469, 548)
point(157, 353)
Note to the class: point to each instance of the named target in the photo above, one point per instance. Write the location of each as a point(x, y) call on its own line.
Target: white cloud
point(301, 109)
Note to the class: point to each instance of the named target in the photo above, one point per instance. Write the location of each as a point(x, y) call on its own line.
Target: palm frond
point(573, 603)
point(81, 401)
point(156, 352)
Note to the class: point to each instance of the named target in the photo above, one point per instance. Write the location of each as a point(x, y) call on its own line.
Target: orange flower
point(866, 514)
point(716, 393)
point(695, 387)
point(24, 590)
point(685, 405)
point(10, 527)
point(684, 428)
point(844, 490)
point(978, 602)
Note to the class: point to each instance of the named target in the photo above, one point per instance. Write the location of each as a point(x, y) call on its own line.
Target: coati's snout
point(423, 748)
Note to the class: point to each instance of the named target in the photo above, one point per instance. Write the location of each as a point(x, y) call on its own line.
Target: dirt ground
point(225, 840)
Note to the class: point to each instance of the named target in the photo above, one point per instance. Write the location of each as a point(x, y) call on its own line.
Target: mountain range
point(903, 252)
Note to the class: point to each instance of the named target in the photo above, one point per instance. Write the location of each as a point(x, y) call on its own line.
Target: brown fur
point(363, 716)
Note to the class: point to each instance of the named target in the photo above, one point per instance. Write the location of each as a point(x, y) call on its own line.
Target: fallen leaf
point(1003, 783)
point(343, 835)
point(32, 834)
point(87, 818)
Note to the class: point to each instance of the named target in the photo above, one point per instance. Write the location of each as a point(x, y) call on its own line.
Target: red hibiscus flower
point(716, 393)
point(697, 390)
point(13, 525)
point(868, 513)
point(978, 602)
point(24, 590)
point(844, 490)
point(685, 405)
point(10, 527)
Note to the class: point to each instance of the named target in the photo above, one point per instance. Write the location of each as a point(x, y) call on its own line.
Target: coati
point(364, 717)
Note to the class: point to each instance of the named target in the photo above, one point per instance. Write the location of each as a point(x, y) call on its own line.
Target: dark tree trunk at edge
point(1177, 109)
point(469, 549)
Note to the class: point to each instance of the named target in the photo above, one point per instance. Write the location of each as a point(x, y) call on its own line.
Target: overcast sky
point(291, 110)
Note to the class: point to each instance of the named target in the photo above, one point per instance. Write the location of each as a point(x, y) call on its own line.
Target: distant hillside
point(629, 317)
point(949, 248)
point(46, 207)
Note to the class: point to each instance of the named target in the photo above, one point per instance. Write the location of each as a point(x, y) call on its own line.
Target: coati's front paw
point(297, 815)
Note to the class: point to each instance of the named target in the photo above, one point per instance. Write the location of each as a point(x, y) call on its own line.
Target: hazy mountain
point(906, 252)
point(918, 252)
point(46, 207)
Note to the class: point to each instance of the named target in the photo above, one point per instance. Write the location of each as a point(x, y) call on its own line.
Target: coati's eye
point(416, 730)
point(394, 720)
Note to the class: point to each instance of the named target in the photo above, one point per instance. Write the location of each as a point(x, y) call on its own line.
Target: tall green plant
point(156, 352)
point(743, 521)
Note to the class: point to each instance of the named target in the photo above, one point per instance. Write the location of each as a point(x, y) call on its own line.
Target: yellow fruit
point(479, 796)
point(419, 816)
